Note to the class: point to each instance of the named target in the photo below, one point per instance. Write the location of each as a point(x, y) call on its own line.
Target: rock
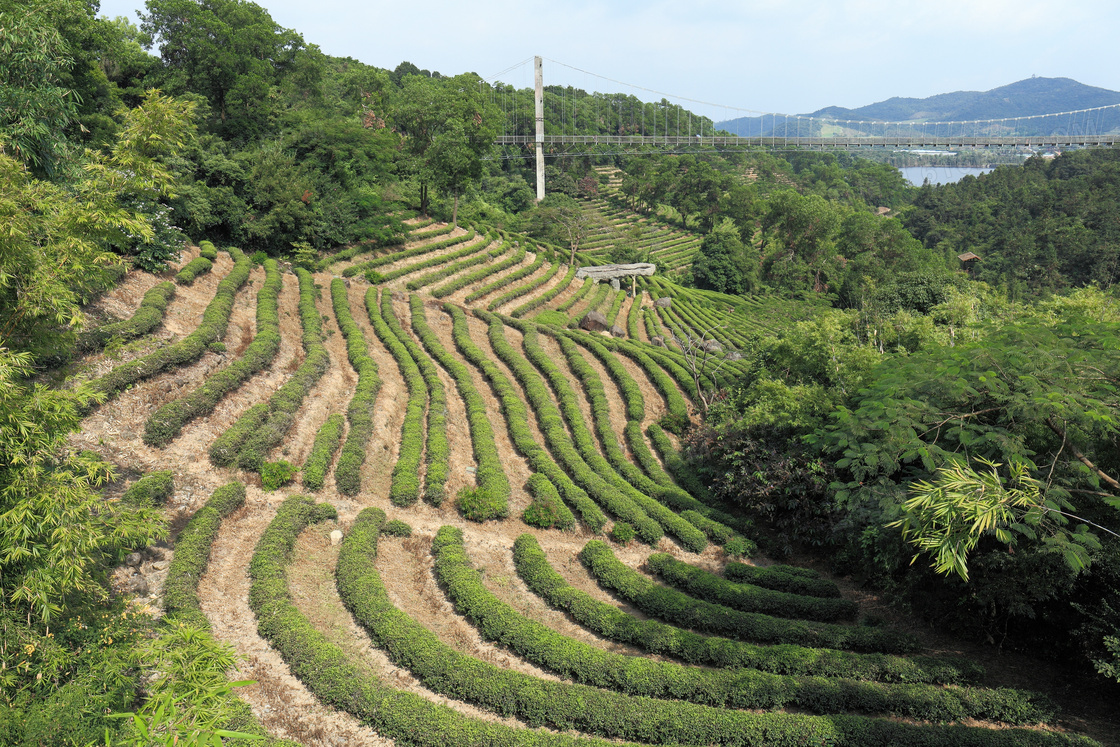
point(336, 537)
point(712, 346)
point(138, 585)
point(609, 272)
point(734, 356)
point(346, 282)
point(594, 322)
point(618, 331)
point(160, 565)
point(133, 559)
point(663, 303)
point(614, 284)
point(399, 296)
point(658, 340)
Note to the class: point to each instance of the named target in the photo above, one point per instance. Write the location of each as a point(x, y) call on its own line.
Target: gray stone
point(594, 322)
point(138, 585)
point(611, 272)
point(712, 346)
point(734, 356)
point(614, 284)
point(618, 331)
point(663, 303)
point(336, 537)
point(133, 559)
point(658, 340)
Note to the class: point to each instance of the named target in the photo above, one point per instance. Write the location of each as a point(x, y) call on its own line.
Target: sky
point(724, 59)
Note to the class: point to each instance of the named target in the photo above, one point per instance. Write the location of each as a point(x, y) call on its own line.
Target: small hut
point(967, 259)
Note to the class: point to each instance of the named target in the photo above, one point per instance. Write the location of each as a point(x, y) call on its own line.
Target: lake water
point(917, 175)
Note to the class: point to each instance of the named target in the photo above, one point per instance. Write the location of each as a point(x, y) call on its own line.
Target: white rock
point(336, 537)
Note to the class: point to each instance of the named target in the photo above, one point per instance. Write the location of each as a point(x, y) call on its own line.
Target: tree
point(722, 263)
point(802, 228)
point(560, 218)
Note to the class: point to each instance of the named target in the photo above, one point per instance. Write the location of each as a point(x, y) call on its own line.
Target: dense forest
point(941, 431)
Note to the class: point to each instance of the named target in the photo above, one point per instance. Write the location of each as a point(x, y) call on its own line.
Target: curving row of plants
point(597, 300)
point(450, 268)
point(490, 500)
point(248, 442)
point(215, 320)
point(723, 688)
point(366, 246)
point(616, 306)
point(168, 421)
point(360, 268)
point(200, 265)
point(689, 536)
point(780, 578)
point(560, 443)
point(359, 413)
point(313, 474)
point(404, 488)
point(697, 582)
point(675, 402)
point(328, 672)
point(534, 303)
point(517, 422)
point(437, 452)
point(480, 274)
point(678, 608)
point(512, 278)
point(576, 297)
point(146, 318)
point(656, 637)
point(153, 489)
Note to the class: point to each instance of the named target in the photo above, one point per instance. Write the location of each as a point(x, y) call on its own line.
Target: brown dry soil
point(282, 703)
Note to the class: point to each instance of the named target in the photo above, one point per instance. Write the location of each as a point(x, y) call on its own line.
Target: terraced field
point(521, 559)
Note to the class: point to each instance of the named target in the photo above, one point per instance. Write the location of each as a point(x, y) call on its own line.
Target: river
point(917, 175)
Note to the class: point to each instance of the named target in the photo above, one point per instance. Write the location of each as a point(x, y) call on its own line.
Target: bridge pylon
point(538, 84)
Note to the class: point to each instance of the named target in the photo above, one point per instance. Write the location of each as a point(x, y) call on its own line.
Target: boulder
point(712, 346)
point(734, 356)
point(336, 537)
point(612, 272)
point(617, 331)
point(658, 340)
point(133, 559)
point(614, 284)
point(594, 322)
point(663, 303)
point(138, 585)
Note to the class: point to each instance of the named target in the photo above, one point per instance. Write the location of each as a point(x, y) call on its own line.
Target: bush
point(553, 318)
point(517, 422)
point(215, 320)
point(276, 475)
point(656, 637)
point(347, 473)
point(680, 609)
point(397, 528)
point(480, 504)
point(259, 258)
point(729, 688)
point(545, 297)
point(546, 510)
point(167, 422)
point(326, 444)
point(781, 578)
point(148, 316)
point(152, 489)
point(194, 268)
point(208, 250)
point(621, 533)
point(483, 272)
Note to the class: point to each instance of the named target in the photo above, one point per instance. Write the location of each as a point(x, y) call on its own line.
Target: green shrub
point(483, 272)
point(217, 347)
point(622, 533)
point(167, 422)
point(397, 528)
point(153, 489)
point(327, 441)
point(347, 472)
point(215, 320)
point(259, 258)
point(208, 250)
point(680, 609)
point(740, 546)
point(656, 637)
point(741, 688)
point(448, 268)
point(373, 277)
point(547, 509)
point(545, 297)
point(148, 316)
point(781, 578)
point(275, 475)
point(517, 422)
point(194, 268)
point(480, 504)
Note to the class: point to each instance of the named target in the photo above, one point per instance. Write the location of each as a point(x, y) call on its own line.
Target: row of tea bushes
point(359, 413)
point(490, 500)
point(560, 442)
point(215, 320)
point(248, 442)
point(675, 403)
point(153, 489)
point(538, 301)
point(678, 608)
point(147, 317)
point(597, 300)
point(437, 452)
point(198, 266)
point(513, 277)
point(480, 274)
point(576, 297)
point(658, 638)
point(168, 421)
point(313, 474)
point(701, 584)
point(404, 488)
point(725, 688)
point(447, 269)
point(370, 265)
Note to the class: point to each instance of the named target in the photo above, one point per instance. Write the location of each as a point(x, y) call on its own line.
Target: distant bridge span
point(851, 143)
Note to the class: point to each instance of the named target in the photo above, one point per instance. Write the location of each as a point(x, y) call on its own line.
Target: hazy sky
point(744, 56)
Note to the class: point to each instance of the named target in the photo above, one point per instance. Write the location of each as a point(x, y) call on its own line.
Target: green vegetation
point(359, 413)
point(147, 317)
point(327, 440)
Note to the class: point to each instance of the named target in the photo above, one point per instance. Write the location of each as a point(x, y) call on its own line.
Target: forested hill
point(1023, 98)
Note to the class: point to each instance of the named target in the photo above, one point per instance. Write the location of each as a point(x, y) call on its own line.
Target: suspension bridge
point(624, 122)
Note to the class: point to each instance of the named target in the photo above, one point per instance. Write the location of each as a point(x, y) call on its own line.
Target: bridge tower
point(538, 80)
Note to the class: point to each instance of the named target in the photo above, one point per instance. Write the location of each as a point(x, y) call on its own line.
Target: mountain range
point(1028, 97)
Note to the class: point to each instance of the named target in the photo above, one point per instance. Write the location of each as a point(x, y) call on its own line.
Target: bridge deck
point(1018, 141)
